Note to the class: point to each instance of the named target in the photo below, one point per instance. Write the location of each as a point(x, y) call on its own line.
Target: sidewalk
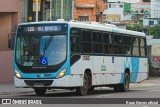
point(6, 89)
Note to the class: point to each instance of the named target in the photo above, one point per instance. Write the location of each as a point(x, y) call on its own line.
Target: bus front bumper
point(66, 81)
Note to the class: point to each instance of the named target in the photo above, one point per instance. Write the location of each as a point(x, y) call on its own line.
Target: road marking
point(105, 95)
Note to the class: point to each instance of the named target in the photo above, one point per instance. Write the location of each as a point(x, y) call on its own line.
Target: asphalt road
point(140, 95)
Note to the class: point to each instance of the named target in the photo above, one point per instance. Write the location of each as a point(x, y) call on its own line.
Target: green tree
point(138, 27)
point(155, 31)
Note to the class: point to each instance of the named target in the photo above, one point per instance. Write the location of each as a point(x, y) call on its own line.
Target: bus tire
point(40, 92)
point(116, 88)
point(91, 89)
point(84, 89)
point(125, 86)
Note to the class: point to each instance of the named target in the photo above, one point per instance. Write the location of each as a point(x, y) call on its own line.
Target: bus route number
point(30, 29)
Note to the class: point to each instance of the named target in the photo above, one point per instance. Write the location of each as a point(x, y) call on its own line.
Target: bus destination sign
point(44, 28)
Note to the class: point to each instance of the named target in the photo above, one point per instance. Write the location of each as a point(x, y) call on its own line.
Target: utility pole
point(50, 10)
point(61, 9)
point(136, 19)
point(149, 25)
point(36, 10)
point(73, 9)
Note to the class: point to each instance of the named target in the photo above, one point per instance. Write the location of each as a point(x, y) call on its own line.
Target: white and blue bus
point(73, 55)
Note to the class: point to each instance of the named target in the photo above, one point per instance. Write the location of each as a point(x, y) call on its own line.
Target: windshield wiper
point(47, 44)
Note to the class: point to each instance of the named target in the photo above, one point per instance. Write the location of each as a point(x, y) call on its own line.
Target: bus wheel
point(91, 89)
point(125, 86)
point(40, 92)
point(84, 89)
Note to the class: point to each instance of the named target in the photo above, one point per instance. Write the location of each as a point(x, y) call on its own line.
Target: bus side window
point(118, 44)
point(135, 46)
point(142, 47)
point(97, 42)
point(74, 40)
point(86, 42)
point(127, 45)
point(108, 46)
point(74, 44)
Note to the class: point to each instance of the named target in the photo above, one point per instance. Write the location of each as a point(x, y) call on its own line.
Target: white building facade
point(155, 8)
point(117, 9)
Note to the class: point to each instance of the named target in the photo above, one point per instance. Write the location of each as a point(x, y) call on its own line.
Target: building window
point(120, 6)
point(83, 18)
point(151, 22)
point(109, 5)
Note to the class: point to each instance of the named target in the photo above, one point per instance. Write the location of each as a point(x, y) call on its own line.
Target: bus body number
point(86, 57)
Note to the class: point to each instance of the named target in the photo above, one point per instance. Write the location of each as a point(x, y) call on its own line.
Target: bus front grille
point(38, 82)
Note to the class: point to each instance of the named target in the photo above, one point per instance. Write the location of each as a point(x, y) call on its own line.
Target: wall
point(118, 8)
point(146, 21)
point(9, 5)
point(114, 10)
point(6, 67)
point(113, 17)
point(93, 9)
point(127, 1)
point(155, 56)
point(5, 29)
point(155, 8)
point(10, 16)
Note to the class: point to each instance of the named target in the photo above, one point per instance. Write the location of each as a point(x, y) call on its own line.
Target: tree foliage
point(155, 31)
point(135, 27)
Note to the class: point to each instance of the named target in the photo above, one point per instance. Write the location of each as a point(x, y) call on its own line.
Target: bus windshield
point(40, 50)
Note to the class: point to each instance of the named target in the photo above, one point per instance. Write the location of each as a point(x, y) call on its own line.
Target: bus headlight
point(18, 75)
point(62, 73)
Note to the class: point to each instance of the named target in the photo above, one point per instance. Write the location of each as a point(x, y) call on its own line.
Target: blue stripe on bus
point(133, 65)
point(135, 69)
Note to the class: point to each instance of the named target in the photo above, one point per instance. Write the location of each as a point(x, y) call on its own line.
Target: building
point(153, 18)
point(126, 10)
point(48, 10)
point(114, 12)
point(89, 10)
point(10, 17)
point(155, 8)
point(153, 51)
